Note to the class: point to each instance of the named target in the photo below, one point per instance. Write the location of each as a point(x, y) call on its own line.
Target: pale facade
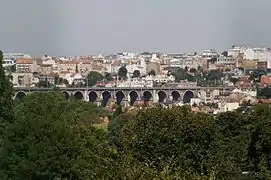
point(23, 79)
point(224, 107)
point(26, 65)
point(9, 59)
point(260, 54)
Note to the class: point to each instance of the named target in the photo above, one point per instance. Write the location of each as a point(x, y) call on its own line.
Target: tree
point(51, 142)
point(234, 80)
point(136, 74)
point(230, 144)
point(259, 146)
point(122, 72)
point(193, 70)
point(199, 68)
point(6, 94)
point(60, 81)
point(76, 69)
point(44, 83)
point(264, 92)
point(11, 68)
point(182, 75)
point(118, 111)
point(214, 75)
point(255, 76)
point(152, 73)
point(93, 77)
point(115, 127)
point(186, 69)
point(108, 76)
point(174, 138)
point(225, 53)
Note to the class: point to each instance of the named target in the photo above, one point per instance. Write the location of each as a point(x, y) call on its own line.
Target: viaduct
point(130, 95)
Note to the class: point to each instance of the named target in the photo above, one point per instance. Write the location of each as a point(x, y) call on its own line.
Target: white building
point(235, 51)
point(224, 107)
point(260, 54)
point(209, 54)
point(195, 101)
point(178, 63)
point(9, 59)
point(225, 60)
point(132, 67)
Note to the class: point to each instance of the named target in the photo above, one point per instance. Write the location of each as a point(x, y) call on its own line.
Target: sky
point(85, 27)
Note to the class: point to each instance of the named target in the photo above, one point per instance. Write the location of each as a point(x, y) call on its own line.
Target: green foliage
point(136, 74)
point(255, 76)
point(45, 84)
point(52, 141)
point(117, 111)
point(214, 75)
point(10, 69)
point(229, 149)
point(6, 94)
point(116, 125)
point(76, 69)
point(6, 102)
point(59, 80)
point(176, 143)
point(181, 74)
point(193, 70)
point(108, 77)
point(93, 77)
point(173, 138)
point(264, 93)
point(122, 72)
point(259, 147)
point(52, 138)
point(152, 73)
point(234, 80)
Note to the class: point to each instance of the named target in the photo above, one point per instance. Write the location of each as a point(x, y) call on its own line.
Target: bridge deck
point(122, 88)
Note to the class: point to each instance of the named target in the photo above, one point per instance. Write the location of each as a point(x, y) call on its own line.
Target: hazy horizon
point(68, 27)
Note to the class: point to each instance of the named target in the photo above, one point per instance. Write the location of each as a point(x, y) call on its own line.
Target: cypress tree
point(6, 94)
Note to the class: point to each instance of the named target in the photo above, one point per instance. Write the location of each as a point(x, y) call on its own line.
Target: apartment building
point(209, 54)
point(24, 79)
point(67, 66)
point(9, 59)
point(235, 51)
point(26, 65)
point(223, 62)
point(260, 54)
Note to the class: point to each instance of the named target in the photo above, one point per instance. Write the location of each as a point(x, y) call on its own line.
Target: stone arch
point(66, 94)
point(176, 95)
point(78, 95)
point(20, 95)
point(162, 96)
point(147, 96)
point(119, 97)
point(133, 97)
point(106, 95)
point(187, 96)
point(92, 96)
